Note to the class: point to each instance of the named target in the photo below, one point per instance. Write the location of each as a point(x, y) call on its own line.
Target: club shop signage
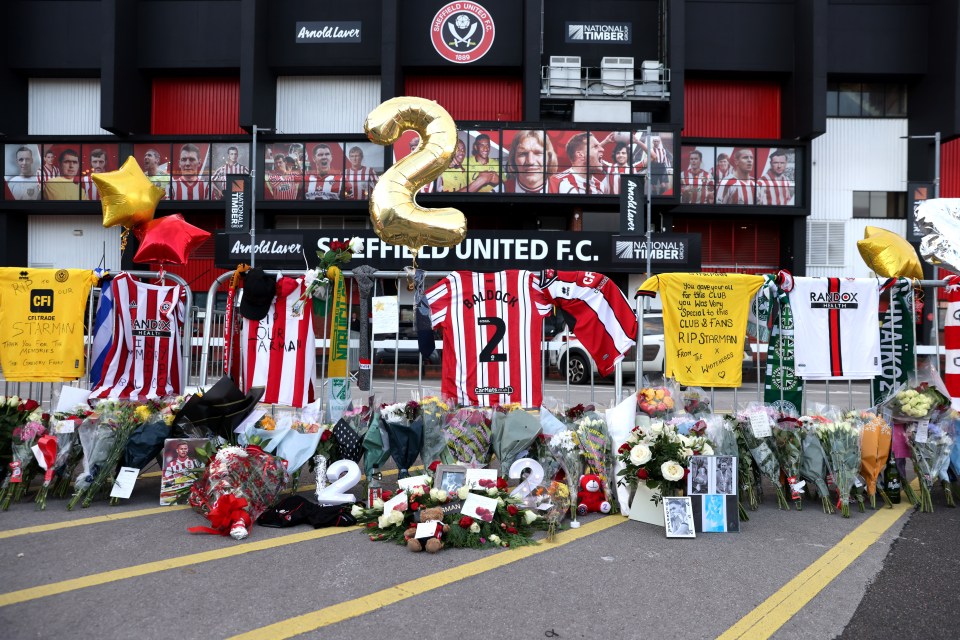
point(327, 32)
point(594, 251)
point(462, 32)
point(606, 32)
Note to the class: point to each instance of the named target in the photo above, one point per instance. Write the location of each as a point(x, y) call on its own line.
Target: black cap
point(259, 290)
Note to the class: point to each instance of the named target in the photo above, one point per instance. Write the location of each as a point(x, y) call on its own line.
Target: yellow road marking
point(775, 611)
point(56, 588)
point(126, 515)
point(365, 604)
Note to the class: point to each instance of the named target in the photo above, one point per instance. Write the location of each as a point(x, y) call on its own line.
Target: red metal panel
point(735, 245)
point(472, 98)
point(195, 105)
point(950, 169)
point(731, 109)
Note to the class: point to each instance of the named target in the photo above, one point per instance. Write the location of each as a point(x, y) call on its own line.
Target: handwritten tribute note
point(705, 321)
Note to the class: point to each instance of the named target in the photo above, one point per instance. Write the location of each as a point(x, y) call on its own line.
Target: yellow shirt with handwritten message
point(704, 324)
point(41, 323)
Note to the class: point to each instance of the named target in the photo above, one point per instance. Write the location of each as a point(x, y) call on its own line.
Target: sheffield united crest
point(462, 32)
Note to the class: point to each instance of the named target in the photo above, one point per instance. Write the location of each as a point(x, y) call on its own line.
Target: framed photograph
point(474, 476)
point(724, 475)
point(181, 469)
point(450, 477)
point(678, 517)
point(714, 513)
point(698, 480)
point(413, 481)
point(483, 508)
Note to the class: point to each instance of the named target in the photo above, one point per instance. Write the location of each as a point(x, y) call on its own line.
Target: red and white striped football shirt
point(735, 191)
point(144, 358)
point(571, 182)
point(492, 330)
point(774, 191)
point(358, 183)
point(951, 336)
point(283, 186)
point(323, 187)
point(89, 187)
point(180, 189)
point(696, 187)
point(605, 324)
point(50, 171)
point(279, 352)
point(614, 171)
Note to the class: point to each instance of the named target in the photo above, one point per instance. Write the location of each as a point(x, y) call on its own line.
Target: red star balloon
point(168, 240)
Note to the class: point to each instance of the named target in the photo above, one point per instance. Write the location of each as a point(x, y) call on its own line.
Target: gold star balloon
point(127, 195)
point(888, 254)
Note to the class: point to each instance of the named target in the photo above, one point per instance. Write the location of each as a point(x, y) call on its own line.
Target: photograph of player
point(154, 160)
point(618, 156)
point(98, 158)
point(455, 176)
point(283, 181)
point(228, 158)
point(323, 176)
point(483, 165)
point(409, 142)
point(66, 184)
point(697, 185)
point(740, 184)
point(658, 150)
point(22, 171)
point(531, 158)
point(678, 517)
point(191, 172)
point(50, 168)
point(722, 169)
point(363, 169)
point(181, 469)
point(776, 185)
point(584, 156)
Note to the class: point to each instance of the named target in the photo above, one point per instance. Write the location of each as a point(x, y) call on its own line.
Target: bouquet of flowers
point(237, 486)
point(404, 424)
point(565, 449)
point(467, 431)
point(63, 429)
point(656, 402)
point(104, 444)
point(552, 501)
point(790, 455)
point(146, 443)
point(841, 442)
point(874, 452)
point(595, 448)
point(756, 431)
point(696, 402)
point(434, 412)
point(339, 253)
point(513, 430)
point(350, 431)
point(658, 456)
point(930, 453)
point(14, 412)
point(16, 483)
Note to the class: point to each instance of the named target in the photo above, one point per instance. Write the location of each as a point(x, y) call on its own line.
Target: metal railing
point(604, 82)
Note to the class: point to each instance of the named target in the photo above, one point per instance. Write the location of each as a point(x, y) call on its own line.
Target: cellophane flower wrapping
point(621, 419)
point(22, 439)
point(249, 473)
point(923, 397)
point(513, 430)
point(303, 431)
point(264, 428)
point(815, 464)
point(468, 433)
point(14, 411)
point(840, 437)
point(658, 401)
point(565, 448)
point(789, 441)
point(435, 412)
point(930, 447)
point(875, 442)
point(755, 422)
point(551, 500)
point(64, 428)
point(404, 423)
point(696, 402)
point(595, 447)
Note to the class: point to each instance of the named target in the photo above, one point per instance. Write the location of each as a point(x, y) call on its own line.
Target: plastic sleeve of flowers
point(812, 466)
point(595, 446)
point(65, 442)
point(844, 456)
point(434, 414)
point(875, 440)
point(566, 450)
point(97, 443)
point(762, 451)
point(251, 474)
point(127, 424)
point(11, 491)
point(513, 433)
point(745, 472)
point(468, 433)
point(790, 455)
point(722, 435)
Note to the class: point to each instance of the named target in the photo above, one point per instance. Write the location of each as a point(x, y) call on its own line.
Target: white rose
point(416, 491)
point(640, 454)
point(441, 496)
point(492, 491)
point(433, 494)
point(656, 428)
point(500, 501)
point(634, 438)
point(529, 516)
point(356, 511)
point(13, 401)
point(707, 450)
point(463, 492)
point(396, 517)
point(495, 539)
point(356, 245)
point(474, 528)
point(378, 504)
point(685, 440)
point(671, 471)
point(686, 452)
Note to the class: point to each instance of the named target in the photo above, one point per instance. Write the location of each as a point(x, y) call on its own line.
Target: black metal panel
point(882, 39)
point(258, 95)
point(740, 37)
point(125, 92)
point(182, 34)
point(45, 36)
point(287, 56)
point(641, 14)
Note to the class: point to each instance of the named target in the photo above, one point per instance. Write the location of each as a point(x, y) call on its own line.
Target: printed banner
point(897, 341)
point(339, 327)
point(632, 206)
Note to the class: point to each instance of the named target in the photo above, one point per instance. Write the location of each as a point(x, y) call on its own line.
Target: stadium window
point(879, 204)
point(866, 100)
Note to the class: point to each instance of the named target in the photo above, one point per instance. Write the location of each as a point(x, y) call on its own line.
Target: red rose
point(465, 522)
point(433, 466)
point(371, 525)
point(414, 506)
point(326, 435)
point(642, 474)
point(512, 509)
point(413, 525)
point(686, 472)
point(624, 448)
point(386, 495)
point(502, 484)
point(512, 530)
point(28, 405)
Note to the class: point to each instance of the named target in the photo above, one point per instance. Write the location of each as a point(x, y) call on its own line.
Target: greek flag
point(102, 332)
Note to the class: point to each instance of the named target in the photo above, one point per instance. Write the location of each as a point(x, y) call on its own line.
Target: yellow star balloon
point(127, 195)
point(889, 254)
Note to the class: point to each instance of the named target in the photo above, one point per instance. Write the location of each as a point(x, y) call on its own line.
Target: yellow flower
point(142, 412)
point(169, 418)
point(267, 423)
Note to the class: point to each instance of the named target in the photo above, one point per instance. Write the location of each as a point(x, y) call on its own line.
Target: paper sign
point(398, 500)
point(386, 315)
point(123, 486)
point(426, 529)
point(413, 481)
point(338, 399)
point(63, 426)
point(923, 430)
point(71, 398)
point(474, 476)
point(760, 424)
point(479, 507)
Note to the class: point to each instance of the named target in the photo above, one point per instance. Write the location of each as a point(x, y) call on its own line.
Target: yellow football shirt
point(704, 324)
point(41, 323)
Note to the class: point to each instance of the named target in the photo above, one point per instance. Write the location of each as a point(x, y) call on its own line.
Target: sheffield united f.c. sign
point(462, 32)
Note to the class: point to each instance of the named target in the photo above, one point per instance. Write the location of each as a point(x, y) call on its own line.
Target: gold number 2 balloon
point(396, 216)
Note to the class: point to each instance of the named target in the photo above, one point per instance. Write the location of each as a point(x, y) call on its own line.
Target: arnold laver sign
point(610, 32)
point(632, 198)
point(326, 32)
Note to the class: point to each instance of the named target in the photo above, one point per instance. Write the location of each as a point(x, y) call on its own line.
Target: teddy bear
point(590, 498)
point(434, 543)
